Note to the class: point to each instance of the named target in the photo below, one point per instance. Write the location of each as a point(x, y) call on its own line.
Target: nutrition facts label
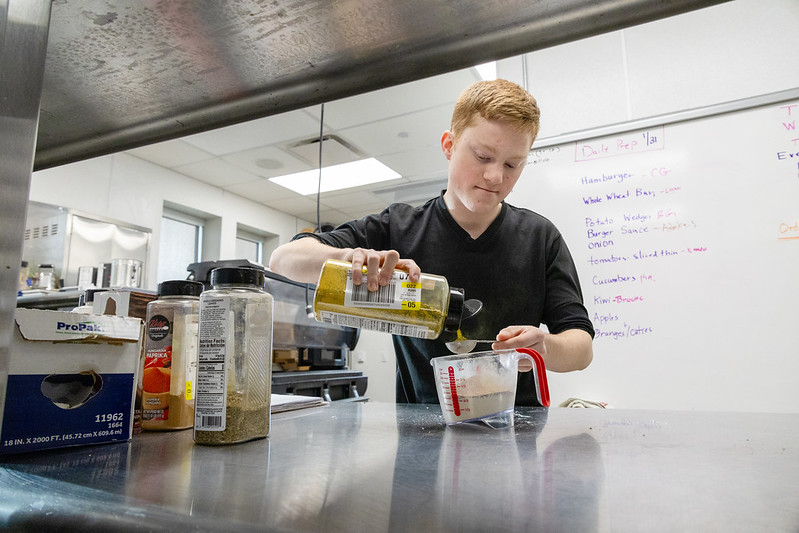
point(211, 370)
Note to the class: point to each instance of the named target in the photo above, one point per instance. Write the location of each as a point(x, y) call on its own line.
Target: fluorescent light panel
point(343, 176)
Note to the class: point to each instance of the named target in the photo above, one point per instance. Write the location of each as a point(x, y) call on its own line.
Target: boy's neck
point(473, 223)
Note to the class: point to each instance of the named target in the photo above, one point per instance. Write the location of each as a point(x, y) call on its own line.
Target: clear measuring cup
point(481, 386)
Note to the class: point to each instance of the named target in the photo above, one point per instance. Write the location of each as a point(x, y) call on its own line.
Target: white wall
point(374, 356)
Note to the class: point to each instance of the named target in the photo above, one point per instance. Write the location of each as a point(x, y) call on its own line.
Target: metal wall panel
point(23, 45)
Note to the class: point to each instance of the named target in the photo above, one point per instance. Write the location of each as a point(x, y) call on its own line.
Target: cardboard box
point(123, 302)
point(69, 379)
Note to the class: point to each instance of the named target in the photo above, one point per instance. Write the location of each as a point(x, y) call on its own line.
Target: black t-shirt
point(520, 268)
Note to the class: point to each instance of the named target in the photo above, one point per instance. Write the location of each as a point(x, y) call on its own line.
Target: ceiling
point(400, 126)
point(221, 91)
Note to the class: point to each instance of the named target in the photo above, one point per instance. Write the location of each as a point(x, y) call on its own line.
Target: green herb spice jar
point(422, 309)
point(234, 375)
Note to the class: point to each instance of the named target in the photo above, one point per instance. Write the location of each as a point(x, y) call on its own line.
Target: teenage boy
point(513, 260)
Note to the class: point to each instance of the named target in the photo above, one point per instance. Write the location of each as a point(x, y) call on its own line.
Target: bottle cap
point(180, 287)
point(238, 276)
point(455, 312)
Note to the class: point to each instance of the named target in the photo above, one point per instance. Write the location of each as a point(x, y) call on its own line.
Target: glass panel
point(177, 249)
point(247, 249)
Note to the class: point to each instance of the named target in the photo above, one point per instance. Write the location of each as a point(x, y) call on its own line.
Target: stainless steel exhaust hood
point(122, 74)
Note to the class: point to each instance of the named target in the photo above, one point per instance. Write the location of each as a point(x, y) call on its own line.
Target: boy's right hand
point(380, 265)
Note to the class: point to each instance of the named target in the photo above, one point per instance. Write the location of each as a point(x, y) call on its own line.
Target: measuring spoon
point(465, 345)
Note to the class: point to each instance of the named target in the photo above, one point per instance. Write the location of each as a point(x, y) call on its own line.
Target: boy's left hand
point(521, 337)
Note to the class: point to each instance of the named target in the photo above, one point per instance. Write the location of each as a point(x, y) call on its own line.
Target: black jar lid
point(238, 276)
point(455, 312)
point(180, 287)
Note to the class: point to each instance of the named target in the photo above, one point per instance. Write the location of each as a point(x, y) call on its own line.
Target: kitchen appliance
point(126, 273)
point(70, 240)
point(86, 277)
point(323, 350)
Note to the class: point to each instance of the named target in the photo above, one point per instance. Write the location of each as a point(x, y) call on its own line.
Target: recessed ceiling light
point(344, 176)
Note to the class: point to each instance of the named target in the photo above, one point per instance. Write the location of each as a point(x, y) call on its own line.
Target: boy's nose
point(493, 174)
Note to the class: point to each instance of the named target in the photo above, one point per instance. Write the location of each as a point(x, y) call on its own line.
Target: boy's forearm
point(301, 260)
point(569, 350)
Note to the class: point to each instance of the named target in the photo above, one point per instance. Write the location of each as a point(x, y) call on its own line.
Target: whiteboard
point(686, 240)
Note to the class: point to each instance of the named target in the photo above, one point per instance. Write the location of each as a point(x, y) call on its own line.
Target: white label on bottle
point(211, 399)
point(400, 293)
point(190, 356)
point(384, 326)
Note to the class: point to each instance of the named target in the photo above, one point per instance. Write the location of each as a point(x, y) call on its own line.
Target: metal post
point(23, 46)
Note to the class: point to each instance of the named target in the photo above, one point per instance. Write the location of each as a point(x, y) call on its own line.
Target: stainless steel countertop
point(379, 467)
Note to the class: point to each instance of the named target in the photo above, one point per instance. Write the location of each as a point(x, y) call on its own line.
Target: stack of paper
point(290, 402)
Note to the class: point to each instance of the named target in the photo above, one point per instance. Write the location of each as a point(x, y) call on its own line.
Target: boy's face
point(485, 162)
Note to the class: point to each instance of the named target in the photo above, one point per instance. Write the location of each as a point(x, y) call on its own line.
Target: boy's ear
point(447, 143)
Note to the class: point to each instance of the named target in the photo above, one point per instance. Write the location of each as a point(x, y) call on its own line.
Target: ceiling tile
point(259, 160)
point(265, 192)
point(344, 201)
point(216, 172)
point(421, 162)
point(170, 154)
point(402, 133)
point(260, 132)
point(294, 203)
point(398, 100)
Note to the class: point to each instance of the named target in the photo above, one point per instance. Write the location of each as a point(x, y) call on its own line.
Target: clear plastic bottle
point(170, 356)
point(47, 279)
point(422, 309)
point(234, 376)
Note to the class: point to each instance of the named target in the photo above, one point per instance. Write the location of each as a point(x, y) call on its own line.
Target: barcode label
point(398, 294)
point(383, 295)
point(211, 421)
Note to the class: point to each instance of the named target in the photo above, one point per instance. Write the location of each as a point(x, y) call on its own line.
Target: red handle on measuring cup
point(541, 384)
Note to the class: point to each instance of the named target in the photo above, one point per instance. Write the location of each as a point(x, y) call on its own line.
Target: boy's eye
point(510, 165)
